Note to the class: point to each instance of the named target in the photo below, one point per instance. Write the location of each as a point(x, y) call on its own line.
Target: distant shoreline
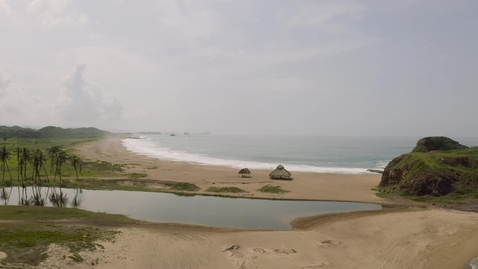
point(146, 147)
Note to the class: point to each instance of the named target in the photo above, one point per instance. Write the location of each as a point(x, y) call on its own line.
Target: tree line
point(51, 132)
point(55, 158)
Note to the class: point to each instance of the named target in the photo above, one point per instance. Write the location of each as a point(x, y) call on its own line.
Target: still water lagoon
point(167, 207)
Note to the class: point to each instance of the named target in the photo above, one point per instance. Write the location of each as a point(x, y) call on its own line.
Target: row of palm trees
point(38, 160)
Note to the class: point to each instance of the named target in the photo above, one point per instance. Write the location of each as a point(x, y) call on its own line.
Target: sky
point(284, 67)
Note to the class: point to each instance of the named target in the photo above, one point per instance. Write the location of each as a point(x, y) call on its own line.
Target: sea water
point(348, 155)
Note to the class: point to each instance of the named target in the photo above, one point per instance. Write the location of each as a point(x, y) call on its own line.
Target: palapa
point(244, 172)
point(280, 173)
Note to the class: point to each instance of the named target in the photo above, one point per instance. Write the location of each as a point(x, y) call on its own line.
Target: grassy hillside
point(50, 132)
point(435, 173)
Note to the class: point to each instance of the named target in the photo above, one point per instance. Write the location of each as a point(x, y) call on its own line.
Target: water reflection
point(77, 200)
point(58, 199)
point(165, 207)
point(5, 195)
point(37, 196)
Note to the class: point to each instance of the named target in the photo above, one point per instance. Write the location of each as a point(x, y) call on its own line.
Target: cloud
point(17, 101)
point(55, 12)
point(287, 33)
point(112, 109)
point(5, 9)
point(324, 16)
point(191, 21)
point(85, 101)
point(5, 80)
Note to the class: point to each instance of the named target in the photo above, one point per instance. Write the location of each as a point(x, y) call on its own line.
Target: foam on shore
point(474, 263)
point(151, 149)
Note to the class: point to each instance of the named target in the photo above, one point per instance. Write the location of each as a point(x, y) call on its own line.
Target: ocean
point(321, 154)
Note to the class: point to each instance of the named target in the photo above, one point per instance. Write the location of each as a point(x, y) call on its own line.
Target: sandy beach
point(412, 238)
point(313, 186)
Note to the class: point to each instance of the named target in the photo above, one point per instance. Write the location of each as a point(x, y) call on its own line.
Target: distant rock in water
point(431, 143)
point(437, 166)
point(172, 135)
point(375, 171)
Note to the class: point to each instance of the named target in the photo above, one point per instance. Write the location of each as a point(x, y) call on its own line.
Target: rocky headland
point(437, 166)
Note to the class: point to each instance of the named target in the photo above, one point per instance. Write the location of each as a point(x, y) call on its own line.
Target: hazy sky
point(370, 67)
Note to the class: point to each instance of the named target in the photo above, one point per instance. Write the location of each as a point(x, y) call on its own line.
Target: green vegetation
point(51, 132)
point(26, 232)
point(225, 190)
point(137, 175)
point(184, 186)
point(428, 144)
point(50, 162)
point(272, 189)
point(438, 175)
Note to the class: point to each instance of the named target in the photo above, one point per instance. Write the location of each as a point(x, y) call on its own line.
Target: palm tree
point(38, 163)
point(76, 162)
point(61, 159)
point(19, 167)
point(4, 155)
point(36, 167)
point(25, 158)
point(41, 159)
point(53, 154)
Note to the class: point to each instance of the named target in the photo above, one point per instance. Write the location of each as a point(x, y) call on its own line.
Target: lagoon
point(168, 207)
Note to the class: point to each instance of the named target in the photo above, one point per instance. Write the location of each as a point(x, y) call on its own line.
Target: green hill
point(435, 172)
point(51, 132)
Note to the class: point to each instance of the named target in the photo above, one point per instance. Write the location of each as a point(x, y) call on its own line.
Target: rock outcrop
point(437, 166)
point(428, 144)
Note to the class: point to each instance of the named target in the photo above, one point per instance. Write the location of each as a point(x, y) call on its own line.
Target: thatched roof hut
point(280, 173)
point(244, 172)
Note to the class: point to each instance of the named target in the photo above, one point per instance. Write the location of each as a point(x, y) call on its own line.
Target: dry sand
point(411, 238)
point(314, 186)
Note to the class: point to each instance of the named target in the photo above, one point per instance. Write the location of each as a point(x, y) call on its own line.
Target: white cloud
point(297, 32)
point(112, 109)
point(5, 9)
point(324, 16)
point(85, 101)
point(55, 12)
point(5, 80)
point(17, 101)
point(192, 20)
point(282, 84)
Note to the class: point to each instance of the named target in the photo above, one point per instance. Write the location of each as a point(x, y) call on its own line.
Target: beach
point(304, 186)
point(404, 237)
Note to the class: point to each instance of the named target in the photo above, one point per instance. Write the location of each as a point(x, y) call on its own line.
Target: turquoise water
point(351, 155)
point(166, 207)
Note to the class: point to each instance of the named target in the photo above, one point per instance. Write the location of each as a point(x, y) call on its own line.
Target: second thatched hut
point(244, 172)
point(280, 173)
